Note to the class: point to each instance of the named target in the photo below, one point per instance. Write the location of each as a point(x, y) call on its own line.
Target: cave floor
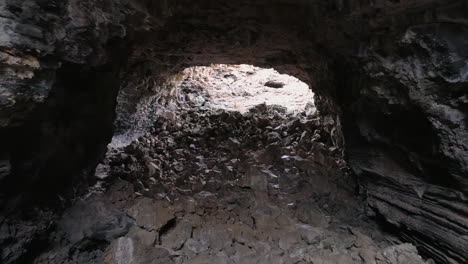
point(210, 185)
point(213, 186)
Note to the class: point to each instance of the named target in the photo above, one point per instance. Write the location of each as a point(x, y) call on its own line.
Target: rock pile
point(197, 150)
point(209, 185)
point(213, 186)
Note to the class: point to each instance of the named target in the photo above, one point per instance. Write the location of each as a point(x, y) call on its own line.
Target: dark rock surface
point(390, 79)
point(207, 186)
point(55, 85)
point(410, 149)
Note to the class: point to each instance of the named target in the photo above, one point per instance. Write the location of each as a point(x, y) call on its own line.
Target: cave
point(255, 131)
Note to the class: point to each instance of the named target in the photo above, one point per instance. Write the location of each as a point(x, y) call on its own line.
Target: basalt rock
point(410, 150)
point(390, 80)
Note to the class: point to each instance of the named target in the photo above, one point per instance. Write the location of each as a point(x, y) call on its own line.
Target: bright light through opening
point(241, 87)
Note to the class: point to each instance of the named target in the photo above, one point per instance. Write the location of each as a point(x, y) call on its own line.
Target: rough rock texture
point(157, 62)
point(60, 67)
point(408, 142)
point(47, 93)
point(222, 187)
point(37, 36)
point(392, 73)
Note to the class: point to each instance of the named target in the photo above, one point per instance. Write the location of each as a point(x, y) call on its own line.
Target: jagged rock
point(310, 234)
point(150, 214)
point(142, 236)
point(389, 77)
point(196, 246)
point(404, 253)
point(102, 171)
point(309, 213)
point(93, 220)
point(176, 237)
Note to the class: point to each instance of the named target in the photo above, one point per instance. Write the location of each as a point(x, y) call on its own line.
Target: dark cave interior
point(101, 162)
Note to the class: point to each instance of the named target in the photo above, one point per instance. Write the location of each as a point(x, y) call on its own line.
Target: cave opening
point(220, 121)
point(231, 158)
point(241, 87)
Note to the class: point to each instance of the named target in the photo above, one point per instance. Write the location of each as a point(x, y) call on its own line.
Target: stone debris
point(217, 186)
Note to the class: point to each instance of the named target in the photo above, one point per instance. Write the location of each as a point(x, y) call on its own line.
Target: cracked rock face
point(37, 36)
point(390, 84)
point(412, 151)
point(207, 186)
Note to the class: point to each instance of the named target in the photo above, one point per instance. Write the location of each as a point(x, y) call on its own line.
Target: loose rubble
point(218, 186)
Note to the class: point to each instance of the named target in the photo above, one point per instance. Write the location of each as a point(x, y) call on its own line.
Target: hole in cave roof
point(242, 87)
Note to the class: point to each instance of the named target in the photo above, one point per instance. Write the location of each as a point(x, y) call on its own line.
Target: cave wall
point(403, 96)
point(393, 73)
point(60, 72)
point(408, 138)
